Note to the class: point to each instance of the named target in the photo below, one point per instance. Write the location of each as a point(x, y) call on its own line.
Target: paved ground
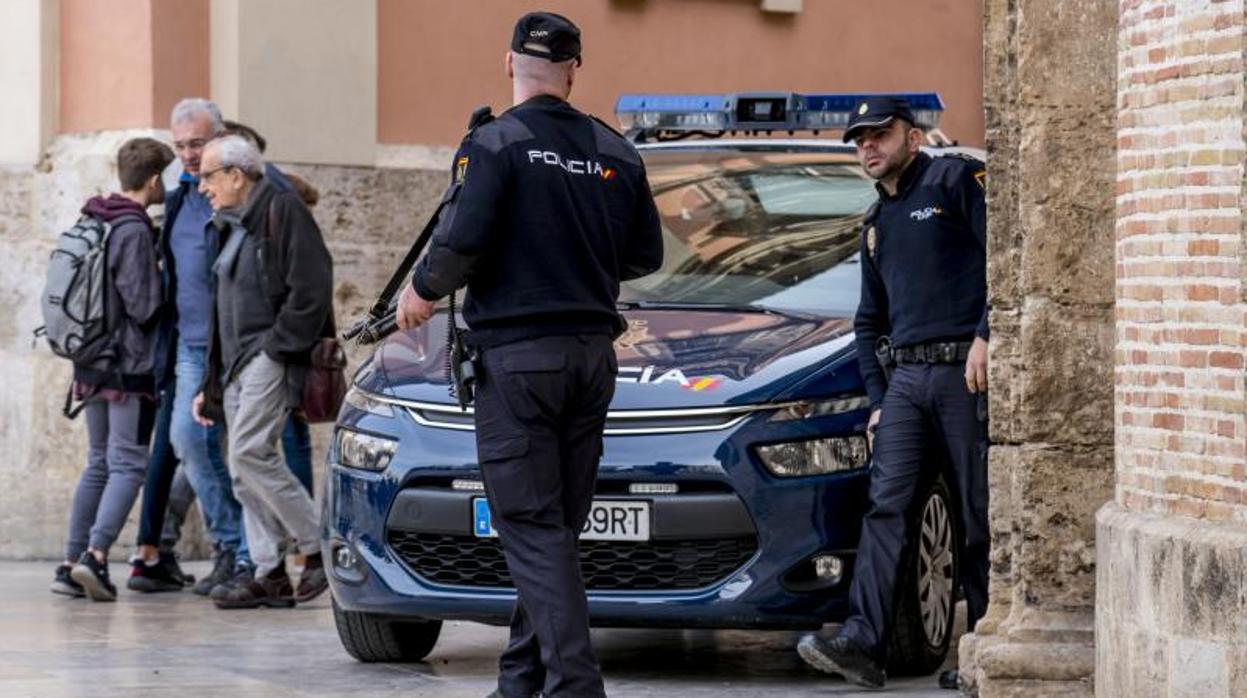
point(178, 644)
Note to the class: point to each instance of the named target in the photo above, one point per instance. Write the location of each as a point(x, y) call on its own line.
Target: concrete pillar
point(303, 73)
point(1050, 102)
point(28, 60)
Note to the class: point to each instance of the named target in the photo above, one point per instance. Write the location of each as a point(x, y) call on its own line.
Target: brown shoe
point(272, 591)
point(312, 581)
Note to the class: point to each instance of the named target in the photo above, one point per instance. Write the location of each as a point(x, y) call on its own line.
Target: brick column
point(1172, 612)
point(1050, 96)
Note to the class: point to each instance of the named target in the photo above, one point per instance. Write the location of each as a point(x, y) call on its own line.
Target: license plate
point(608, 520)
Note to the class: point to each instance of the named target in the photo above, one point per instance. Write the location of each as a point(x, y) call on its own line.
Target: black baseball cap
point(547, 35)
point(878, 111)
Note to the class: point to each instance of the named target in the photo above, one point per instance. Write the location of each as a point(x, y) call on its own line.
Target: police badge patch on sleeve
point(981, 178)
point(872, 241)
point(461, 168)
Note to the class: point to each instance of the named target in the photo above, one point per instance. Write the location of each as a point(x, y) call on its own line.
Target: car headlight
point(823, 408)
point(815, 457)
point(361, 400)
point(364, 451)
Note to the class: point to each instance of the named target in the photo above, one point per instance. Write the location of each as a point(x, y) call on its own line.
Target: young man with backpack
point(114, 357)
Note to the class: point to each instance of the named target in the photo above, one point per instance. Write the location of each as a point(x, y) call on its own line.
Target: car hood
point(667, 358)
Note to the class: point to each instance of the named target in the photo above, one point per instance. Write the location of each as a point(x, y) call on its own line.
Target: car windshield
point(774, 229)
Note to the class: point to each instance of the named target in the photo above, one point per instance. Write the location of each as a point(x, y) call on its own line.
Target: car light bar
point(641, 114)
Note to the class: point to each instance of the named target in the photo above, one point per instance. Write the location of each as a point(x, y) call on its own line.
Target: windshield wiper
point(688, 305)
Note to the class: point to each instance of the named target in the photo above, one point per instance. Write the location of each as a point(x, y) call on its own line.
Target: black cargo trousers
point(540, 411)
point(926, 405)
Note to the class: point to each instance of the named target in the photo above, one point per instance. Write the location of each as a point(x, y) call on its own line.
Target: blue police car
point(735, 471)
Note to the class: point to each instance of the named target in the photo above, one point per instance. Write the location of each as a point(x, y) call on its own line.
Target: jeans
point(161, 467)
point(118, 434)
point(198, 449)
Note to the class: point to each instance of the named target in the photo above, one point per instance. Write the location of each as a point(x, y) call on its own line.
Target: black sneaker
point(222, 569)
point(93, 576)
point(170, 561)
point(242, 574)
point(65, 585)
point(312, 581)
point(840, 655)
point(273, 591)
point(950, 680)
point(154, 577)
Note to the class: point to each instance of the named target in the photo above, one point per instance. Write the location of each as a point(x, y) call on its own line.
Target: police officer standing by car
point(548, 211)
point(923, 259)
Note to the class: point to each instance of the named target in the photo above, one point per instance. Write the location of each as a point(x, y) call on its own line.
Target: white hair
point(236, 151)
point(195, 107)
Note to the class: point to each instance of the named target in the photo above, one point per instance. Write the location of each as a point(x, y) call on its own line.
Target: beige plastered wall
point(28, 64)
point(302, 72)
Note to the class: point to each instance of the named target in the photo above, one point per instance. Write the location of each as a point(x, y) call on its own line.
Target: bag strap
point(72, 411)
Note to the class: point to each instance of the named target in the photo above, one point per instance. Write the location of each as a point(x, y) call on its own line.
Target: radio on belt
point(646, 117)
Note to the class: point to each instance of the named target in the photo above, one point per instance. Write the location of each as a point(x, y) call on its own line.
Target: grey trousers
point(275, 506)
point(118, 435)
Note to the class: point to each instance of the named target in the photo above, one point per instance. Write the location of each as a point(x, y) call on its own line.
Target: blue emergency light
point(645, 115)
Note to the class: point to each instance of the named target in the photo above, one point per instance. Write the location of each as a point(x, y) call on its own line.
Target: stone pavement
point(178, 644)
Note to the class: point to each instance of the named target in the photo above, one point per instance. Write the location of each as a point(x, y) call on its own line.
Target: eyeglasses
point(205, 176)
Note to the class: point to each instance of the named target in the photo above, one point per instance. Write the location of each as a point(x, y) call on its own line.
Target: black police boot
point(950, 679)
point(840, 655)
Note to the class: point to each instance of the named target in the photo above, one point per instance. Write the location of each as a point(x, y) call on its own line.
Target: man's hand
point(976, 366)
point(196, 411)
point(870, 429)
point(413, 311)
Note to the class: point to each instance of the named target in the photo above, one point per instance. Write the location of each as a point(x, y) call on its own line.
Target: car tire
point(371, 638)
point(922, 628)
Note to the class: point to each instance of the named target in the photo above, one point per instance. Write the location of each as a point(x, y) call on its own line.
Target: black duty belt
point(933, 353)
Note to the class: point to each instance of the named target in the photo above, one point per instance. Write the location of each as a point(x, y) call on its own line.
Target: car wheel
point(923, 625)
point(371, 638)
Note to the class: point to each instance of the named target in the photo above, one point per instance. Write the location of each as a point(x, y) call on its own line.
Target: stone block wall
point(369, 217)
point(1172, 546)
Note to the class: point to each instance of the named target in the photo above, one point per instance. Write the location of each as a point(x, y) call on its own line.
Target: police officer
point(549, 210)
point(923, 284)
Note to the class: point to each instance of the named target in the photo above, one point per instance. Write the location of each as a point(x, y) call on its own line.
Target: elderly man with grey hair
point(273, 282)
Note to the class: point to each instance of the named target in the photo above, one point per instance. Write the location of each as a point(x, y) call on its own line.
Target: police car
point(735, 471)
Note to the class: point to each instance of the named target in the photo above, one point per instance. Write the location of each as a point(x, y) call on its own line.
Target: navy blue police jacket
point(924, 262)
point(547, 212)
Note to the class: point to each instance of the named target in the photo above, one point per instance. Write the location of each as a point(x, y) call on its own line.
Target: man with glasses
point(189, 249)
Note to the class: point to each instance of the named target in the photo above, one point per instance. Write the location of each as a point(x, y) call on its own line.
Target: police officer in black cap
point(923, 259)
point(549, 210)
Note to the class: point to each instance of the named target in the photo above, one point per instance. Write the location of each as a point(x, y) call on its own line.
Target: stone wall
point(1050, 112)
point(1172, 587)
point(368, 216)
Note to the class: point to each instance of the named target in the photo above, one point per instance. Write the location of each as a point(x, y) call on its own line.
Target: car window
point(772, 229)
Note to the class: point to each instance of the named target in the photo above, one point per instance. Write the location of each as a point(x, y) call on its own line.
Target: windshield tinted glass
point(771, 229)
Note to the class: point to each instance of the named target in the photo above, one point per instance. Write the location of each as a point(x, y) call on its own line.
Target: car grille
point(606, 565)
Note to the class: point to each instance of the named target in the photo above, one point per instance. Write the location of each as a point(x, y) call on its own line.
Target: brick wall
point(1180, 428)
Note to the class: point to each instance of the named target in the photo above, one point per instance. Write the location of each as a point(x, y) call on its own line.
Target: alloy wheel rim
point(935, 570)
